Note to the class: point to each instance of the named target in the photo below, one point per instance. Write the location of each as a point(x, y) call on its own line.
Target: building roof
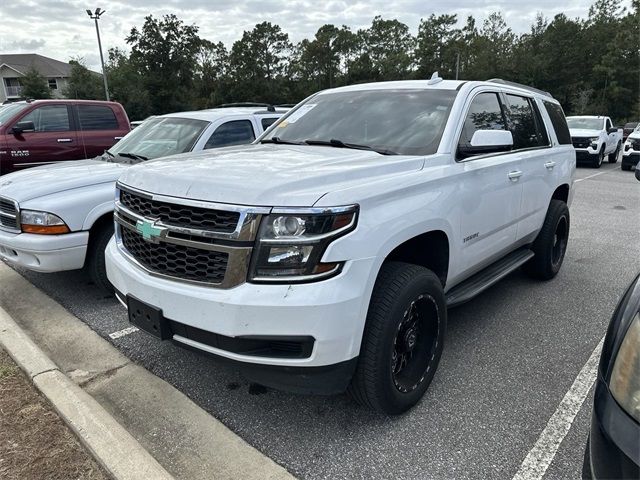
point(47, 67)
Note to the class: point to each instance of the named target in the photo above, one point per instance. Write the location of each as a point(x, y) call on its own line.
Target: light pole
point(96, 16)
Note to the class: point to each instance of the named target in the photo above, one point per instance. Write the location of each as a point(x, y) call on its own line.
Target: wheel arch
point(561, 193)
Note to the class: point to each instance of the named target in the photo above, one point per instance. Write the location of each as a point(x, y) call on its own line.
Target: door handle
point(550, 165)
point(515, 175)
point(117, 138)
point(65, 140)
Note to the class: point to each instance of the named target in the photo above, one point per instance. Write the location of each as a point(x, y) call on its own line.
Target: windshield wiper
point(133, 156)
point(109, 153)
point(278, 140)
point(340, 144)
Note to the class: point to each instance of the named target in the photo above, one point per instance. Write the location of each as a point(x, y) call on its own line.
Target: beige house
point(14, 66)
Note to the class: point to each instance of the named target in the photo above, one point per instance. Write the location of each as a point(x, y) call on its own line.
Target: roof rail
point(243, 104)
point(519, 85)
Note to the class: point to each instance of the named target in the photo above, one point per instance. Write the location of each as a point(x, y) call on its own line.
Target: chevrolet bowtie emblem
point(149, 231)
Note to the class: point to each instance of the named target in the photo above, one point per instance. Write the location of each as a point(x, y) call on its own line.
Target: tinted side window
point(267, 122)
point(526, 128)
point(50, 118)
point(608, 124)
point(484, 113)
point(236, 132)
point(559, 122)
point(95, 117)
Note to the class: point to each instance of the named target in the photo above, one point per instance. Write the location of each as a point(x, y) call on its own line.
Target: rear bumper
point(614, 440)
point(586, 155)
point(44, 253)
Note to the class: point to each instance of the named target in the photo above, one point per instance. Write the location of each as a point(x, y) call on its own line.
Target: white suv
point(325, 255)
point(60, 217)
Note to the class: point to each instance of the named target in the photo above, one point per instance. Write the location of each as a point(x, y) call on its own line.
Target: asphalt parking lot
point(511, 356)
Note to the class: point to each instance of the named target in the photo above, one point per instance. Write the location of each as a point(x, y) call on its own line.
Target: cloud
point(62, 29)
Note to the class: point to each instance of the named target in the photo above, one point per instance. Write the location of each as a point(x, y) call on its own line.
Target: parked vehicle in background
point(324, 256)
point(631, 152)
point(60, 217)
point(628, 128)
point(613, 447)
point(594, 138)
point(41, 132)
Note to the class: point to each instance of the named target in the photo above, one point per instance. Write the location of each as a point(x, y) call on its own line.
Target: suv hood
point(49, 179)
point(583, 132)
point(265, 175)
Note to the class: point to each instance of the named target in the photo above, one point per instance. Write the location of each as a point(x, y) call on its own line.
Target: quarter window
point(236, 132)
point(267, 122)
point(95, 117)
point(559, 122)
point(525, 124)
point(50, 118)
point(485, 113)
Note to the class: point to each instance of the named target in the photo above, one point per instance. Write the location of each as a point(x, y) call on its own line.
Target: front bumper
point(614, 446)
point(630, 157)
point(44, 253)
point(586, 155)
point(331, 311)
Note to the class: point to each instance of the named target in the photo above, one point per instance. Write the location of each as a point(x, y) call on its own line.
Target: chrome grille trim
point(9, 215)
point(238, 245)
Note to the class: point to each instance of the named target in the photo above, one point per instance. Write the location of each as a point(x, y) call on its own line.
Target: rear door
point(98, 128)
point(539, 176)
point(53, 140)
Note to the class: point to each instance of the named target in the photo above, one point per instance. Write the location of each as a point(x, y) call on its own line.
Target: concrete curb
point(114, 448)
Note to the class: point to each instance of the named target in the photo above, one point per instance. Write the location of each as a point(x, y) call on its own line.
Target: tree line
point(591, 65)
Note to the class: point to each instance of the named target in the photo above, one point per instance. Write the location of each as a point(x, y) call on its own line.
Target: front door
point(53, 139)
point(490, 190)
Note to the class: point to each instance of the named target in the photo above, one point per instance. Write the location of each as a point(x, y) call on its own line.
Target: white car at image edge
point(60, 217)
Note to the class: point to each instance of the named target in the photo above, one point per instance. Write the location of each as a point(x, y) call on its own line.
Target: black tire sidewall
point(542, 266)
point(95, 256)
point(423, 282)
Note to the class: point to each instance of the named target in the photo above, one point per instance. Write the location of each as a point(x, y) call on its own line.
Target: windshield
point(8, 111)
point(402, 121)
point(160, 137)
point(586, 123)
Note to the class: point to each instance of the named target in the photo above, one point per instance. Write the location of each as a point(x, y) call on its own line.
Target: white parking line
point(595, 175)
point(541, 455)
point(123, 332)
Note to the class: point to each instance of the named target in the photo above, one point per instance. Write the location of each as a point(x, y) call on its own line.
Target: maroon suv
point(39, 132)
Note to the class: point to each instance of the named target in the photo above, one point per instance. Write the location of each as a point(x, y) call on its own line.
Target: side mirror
point(638, 172)
point(612, 130)
point(487, 141)
point(22, 127)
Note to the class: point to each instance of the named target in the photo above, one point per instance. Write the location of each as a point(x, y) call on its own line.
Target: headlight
point(624, 383)
point(42, 223)
point(291, 243)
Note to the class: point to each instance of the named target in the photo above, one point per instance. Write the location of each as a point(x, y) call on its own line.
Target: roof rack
point(243, 104)
point(519, 85)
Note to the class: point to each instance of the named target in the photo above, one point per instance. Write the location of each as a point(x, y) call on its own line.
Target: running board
point(487, 277)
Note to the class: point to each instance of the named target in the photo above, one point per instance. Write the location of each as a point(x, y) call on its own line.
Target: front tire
point(403, 339)
point(613, 157)
point(597, 163)
point(550, 245)
point(95, 263)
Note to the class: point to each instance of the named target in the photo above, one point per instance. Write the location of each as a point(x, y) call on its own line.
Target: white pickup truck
point(595, 137)
point(60, 217)
point(325, 255)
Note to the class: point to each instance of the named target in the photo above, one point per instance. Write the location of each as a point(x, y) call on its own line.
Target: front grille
point(180, 215)
point(187, 263)
point(8, 215)
point(579, 142)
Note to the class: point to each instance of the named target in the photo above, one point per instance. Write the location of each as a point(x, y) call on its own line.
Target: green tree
point(163, 52)
point(210, 82)
point(127, 86)
point(83, 83)
point(34, 85)
point(389, 47)
point(438, 43)
point(258, 63)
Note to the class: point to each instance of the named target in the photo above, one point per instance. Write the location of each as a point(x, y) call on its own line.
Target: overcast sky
point(61, 29)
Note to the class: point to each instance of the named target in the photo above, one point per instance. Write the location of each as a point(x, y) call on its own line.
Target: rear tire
point(613, 157)
point(550, 245)
point(95, 263)
point(403, 339)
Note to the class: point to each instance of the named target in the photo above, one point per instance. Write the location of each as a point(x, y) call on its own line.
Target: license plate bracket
point(148, 318)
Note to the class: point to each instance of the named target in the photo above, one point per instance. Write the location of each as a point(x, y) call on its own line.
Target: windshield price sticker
point(299, 113)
